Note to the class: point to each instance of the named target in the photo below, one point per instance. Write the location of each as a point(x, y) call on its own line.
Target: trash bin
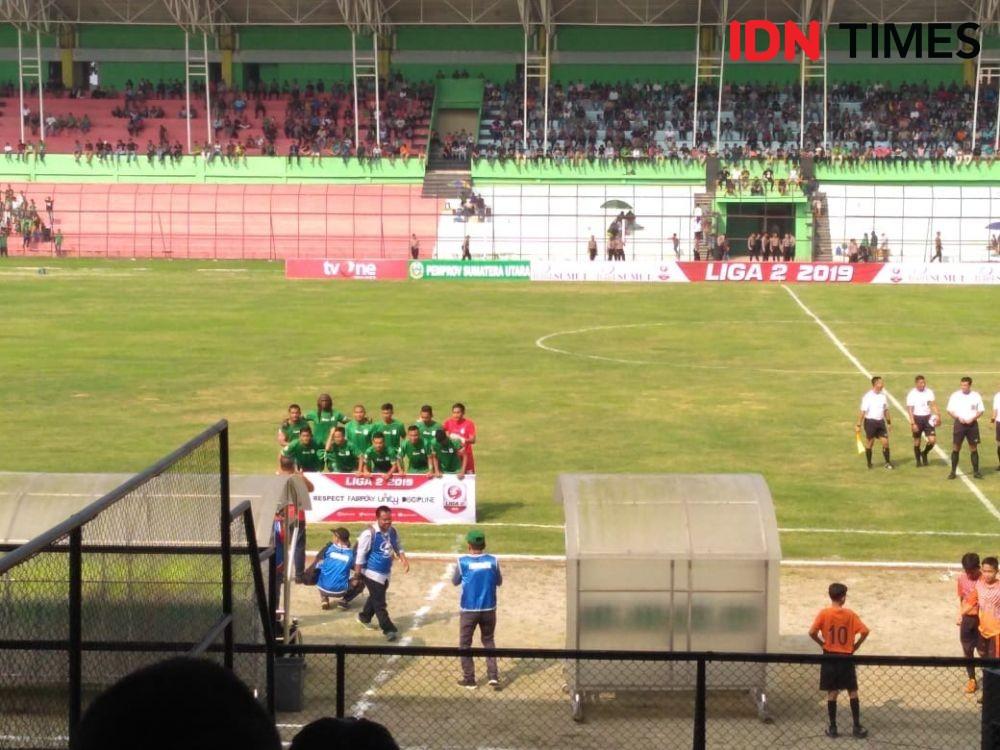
point(289, 683)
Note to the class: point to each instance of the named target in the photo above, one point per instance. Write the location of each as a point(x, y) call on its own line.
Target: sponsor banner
point(938, 273)
point(794, 273)
point(600, 270)
point(366, 270)
point(478, 270)
point(414, 498)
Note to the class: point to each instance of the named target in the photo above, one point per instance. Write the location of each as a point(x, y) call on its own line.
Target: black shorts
point(988, 647)
point(923, 426)
point(998, 432)
point(875, 428)
point(968, 432)
point(838, 674)
point(968, 633)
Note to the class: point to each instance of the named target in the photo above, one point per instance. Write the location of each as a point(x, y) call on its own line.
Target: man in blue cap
point(479, 575)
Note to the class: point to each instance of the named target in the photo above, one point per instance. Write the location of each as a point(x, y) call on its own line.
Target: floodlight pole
point(979, 76)
point(30, 67)
point(697, 76)
point(722, 73)
point(365, 67)
point(524, 98)
point(187, 89)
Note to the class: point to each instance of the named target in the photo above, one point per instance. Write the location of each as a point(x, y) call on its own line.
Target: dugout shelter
point(669, 562)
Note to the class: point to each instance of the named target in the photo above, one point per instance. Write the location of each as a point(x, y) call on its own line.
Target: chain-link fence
point(580, 700)
point(159, 566)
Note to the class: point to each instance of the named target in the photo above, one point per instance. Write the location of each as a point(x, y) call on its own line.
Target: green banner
point(475, 270)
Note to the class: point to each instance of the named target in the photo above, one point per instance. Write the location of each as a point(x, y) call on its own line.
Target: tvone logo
point(885, 40)
point(349, 269)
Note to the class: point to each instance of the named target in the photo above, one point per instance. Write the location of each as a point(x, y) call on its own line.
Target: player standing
point(460, 428)
point(968, 617)
point(378, 546)
point(995, 420)
point(874, 415)
point(965, 406)
point(924, 418)
point(324, 418)
point(359, 430)
point(391, 428)
point(289, 429)
point(842, 634)
point(427, 424)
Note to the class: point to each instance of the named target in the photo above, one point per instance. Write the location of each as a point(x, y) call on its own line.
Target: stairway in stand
point(822, 240)
point(444, 178)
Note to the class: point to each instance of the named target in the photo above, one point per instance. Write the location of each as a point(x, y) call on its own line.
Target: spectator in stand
point(181, 702)
point(333, 734)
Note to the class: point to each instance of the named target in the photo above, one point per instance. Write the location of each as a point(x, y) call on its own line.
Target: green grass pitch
point(108, 365)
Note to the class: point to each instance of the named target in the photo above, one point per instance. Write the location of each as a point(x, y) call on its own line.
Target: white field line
point(367, 700)
point(541, 344)
point(984, 501)
point(882, 532)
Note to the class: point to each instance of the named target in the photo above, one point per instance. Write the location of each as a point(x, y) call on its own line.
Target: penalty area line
point(983, 500)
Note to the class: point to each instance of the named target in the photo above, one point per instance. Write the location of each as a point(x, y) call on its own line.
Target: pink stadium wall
point(236, 221)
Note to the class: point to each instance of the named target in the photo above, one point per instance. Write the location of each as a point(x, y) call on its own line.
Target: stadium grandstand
point(347, 129)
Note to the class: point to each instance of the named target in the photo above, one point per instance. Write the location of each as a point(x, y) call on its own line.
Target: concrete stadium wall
point(256, 169)
point(555, 222)
point(911, 214)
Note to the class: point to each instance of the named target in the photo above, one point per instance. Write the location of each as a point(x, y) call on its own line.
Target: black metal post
point(699, 707)
point(272, 599)
point(341, 671)
point(227, 546)
point(75, 630)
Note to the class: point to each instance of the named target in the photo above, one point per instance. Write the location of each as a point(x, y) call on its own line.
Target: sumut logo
point(350, 269)
point(885, 40)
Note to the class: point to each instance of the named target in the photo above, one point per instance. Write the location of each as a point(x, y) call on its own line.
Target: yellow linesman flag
point(858, 441)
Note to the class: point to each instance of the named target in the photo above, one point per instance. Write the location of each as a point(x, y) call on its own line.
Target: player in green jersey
point(359, 430)
point(449, 458)
point(340, 456)
point(324, 418)
point(378, 459)
point(293, 424)
point(427, 424)
point(393, 430)
point(415, 453)
point(307, 454)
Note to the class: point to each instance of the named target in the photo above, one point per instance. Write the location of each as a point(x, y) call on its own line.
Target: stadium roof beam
point(31, 15)
point(198, 16)
point(364, 16)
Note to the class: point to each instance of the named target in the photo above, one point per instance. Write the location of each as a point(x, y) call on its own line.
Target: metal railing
point(558, 698)
point(131, 578)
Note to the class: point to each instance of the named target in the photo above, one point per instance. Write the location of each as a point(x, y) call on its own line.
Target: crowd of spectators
point(655, 121)
point(314, 119)
point(21, 217)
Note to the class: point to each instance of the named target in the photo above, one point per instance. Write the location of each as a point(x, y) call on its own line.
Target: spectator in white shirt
point(965, 406)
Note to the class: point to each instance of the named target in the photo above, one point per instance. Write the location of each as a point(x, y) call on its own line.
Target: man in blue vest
point(479, 576)
point(378, 546)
